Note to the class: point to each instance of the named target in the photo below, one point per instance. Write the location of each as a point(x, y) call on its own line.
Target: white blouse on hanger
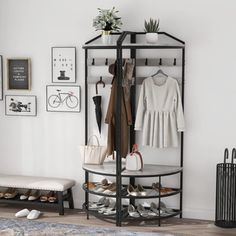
point(160, 113)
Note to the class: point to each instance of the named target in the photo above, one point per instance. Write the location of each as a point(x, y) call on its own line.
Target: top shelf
point(109, 169)
point(123, 39)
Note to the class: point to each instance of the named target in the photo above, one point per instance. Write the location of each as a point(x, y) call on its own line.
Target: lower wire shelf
point(126, 218)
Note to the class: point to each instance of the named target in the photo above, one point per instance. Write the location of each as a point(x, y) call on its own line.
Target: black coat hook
point(174, 62)
point(99, 82)
point(146, 62)
point(93, 62)
point(160, 62)
point(106, 62)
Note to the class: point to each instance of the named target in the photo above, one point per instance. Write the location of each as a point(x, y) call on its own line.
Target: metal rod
point(86, 96)
point(118, 134)
point(133, 94)
point(182, 134)
point(87, 194)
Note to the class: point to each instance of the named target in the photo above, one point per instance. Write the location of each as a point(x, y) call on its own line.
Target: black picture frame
point(63, 63)
point(62, 95)
point(1, 77)
point(20, 105)
point(18, 74)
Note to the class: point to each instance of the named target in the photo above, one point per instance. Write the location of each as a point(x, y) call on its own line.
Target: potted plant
point(151, 28)
point(107, 21)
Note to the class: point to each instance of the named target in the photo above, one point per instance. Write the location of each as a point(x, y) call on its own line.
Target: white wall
point(47, 144)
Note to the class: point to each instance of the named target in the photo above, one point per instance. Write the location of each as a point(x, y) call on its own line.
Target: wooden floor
point(174, 226)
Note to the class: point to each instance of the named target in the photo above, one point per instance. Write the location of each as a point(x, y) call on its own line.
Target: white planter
point(106, 37)
point(151, 37)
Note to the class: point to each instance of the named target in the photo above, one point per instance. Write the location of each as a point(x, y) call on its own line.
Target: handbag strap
point(98, 144)
point(135, 150)
point(140, 157)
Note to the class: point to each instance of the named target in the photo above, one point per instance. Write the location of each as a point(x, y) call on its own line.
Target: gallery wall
point(47, 144)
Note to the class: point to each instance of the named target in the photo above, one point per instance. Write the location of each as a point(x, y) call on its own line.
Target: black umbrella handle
point(226, 155)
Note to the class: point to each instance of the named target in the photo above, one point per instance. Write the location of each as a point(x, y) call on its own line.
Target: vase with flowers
point(107, 21)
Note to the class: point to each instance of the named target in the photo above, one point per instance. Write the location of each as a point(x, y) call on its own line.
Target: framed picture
point(1, 78)
point(20, 105)
point(63, 64)
point(19, 73)
point(63, 98)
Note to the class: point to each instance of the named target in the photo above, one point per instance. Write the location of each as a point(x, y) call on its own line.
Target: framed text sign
point(19, 73)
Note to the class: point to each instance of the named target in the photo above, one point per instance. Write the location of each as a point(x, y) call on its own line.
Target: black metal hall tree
point(167, 41)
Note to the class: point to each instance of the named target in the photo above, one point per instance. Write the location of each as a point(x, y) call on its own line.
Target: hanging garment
point(160, 113)
point(126, 117)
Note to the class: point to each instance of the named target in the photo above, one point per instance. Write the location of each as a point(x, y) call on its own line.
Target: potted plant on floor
point(107, 21)
point(151, 28)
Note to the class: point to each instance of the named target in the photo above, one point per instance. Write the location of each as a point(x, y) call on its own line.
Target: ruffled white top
point(160, 113)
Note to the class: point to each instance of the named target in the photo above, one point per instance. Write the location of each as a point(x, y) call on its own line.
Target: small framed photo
point(20, 105)
point(63, 64)
point(1, 78)
point(63, 98)
point(19, 73)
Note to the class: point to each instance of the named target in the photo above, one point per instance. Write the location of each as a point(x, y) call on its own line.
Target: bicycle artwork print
point(63, 98)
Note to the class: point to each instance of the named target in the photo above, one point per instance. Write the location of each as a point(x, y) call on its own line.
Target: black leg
point(71, 201)
point(60, 202)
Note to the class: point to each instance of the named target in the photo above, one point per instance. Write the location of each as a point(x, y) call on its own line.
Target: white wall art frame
point(63, 98)
point(63, 64)
point(20, 105)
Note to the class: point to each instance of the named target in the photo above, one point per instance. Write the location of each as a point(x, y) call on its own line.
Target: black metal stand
point(132, 46)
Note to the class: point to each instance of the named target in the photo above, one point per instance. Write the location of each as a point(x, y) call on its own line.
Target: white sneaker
point(22, 213)
point(33, 215)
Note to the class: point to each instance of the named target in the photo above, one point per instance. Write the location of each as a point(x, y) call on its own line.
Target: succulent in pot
point(151, 28)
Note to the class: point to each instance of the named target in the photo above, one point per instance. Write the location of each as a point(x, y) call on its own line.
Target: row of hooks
point(146, 62)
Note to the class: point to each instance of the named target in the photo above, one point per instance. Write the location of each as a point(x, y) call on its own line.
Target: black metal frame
point(119, 48)
point(1, 77)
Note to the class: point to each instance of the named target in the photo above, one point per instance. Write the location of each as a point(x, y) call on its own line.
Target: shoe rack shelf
point(133, 42)
point(149, 171)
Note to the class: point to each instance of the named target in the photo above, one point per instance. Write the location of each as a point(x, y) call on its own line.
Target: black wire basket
point(225, 215)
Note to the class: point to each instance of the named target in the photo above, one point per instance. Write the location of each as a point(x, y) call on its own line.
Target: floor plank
point(176, 226)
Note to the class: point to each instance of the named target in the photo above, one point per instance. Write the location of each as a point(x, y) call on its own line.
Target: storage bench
point(62, 187)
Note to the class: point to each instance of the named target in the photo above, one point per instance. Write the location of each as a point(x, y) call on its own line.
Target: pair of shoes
point(30, 195)
point(109, 189)
point(10, 193)
point(163, 209)
point(108, 210)
point(132, 211)
point(154, 207)
point(102, 202)
point(141, 211)
point(31, 215)
point(144, 212)
point(49, 197)
point(138, 191)
point(156, 186)
point(166, 190)
point(90, 185)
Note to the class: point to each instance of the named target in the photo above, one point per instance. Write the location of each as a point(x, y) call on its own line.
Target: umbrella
point(97, 101)
point(98, 111)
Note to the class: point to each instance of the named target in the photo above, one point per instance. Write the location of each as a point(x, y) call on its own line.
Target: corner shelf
point(133, 41)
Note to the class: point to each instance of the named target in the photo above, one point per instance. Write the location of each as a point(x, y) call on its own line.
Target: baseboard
point(197, 213)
